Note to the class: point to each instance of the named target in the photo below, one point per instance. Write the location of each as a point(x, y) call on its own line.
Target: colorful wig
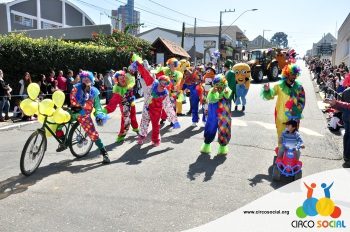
point(87, 74)
point(173, 61)
point(220, 81)
point(291, 70)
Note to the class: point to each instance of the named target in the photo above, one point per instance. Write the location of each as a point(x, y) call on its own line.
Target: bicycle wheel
point(33, 152)
point(80, 143)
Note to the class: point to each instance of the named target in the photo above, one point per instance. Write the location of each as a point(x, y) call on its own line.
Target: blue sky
point(303, 21)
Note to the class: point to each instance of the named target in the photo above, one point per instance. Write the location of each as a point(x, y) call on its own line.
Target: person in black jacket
point(5, 91)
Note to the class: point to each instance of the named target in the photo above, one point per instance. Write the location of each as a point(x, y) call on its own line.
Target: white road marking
point(310, 132)
point(268, 126)
point(237, 122)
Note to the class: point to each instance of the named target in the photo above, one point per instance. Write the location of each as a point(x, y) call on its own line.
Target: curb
point(16, 126)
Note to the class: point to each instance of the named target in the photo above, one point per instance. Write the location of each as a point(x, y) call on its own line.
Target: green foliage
point(280, 39)
point(20, 54)
point(124, 42)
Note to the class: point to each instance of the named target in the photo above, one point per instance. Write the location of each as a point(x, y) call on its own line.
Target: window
point(45, 25)
point(23, 21)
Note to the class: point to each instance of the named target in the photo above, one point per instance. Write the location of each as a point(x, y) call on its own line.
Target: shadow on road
point(204, 164)
point(135, 155)
point(259, 178)
point(237, 114)
point(20, 183)
point(182, 136)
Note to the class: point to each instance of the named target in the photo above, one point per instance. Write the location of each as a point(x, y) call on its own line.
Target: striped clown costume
point(156, 98)
point(290, 98)
point(219, 116)
point(124, 97)
point(174, 88)
point(85, 98)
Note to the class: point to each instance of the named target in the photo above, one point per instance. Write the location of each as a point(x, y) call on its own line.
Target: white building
point(343, 44)
point(206, 39)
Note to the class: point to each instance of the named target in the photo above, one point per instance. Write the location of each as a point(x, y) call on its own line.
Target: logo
point(324, 206)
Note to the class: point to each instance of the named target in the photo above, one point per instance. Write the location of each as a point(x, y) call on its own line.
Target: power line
point(180, 12)
point(153, 13)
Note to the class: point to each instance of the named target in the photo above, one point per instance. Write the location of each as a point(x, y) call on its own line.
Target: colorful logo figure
point(323, 206)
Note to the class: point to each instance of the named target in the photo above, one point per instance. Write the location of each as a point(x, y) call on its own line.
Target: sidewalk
point(10, 124)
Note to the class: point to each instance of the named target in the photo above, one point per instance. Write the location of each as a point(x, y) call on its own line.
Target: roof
point(173, 47)
point(178, 33)
point(328, 38)
point(232, 31)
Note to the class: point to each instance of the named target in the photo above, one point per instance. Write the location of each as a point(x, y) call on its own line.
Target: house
point(206, 40)
point(165, 49)
point(258, 43)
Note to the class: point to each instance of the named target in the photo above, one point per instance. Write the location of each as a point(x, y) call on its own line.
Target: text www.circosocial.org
point(285, 212)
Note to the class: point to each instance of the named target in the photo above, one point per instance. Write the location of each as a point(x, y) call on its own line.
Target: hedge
point(20, 54)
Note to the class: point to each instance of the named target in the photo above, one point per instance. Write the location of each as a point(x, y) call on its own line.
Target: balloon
point(41, 118)
point(51, 125)
point(46, 107)
point(59, 116)
point(58, 98)
point(29, 107)
point(33, 90)
point(68, 117)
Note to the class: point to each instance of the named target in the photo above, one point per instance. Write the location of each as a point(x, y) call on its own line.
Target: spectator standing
point(346, 119)
point(45, 87)
point(24, 82)
point(61, 82)
point(108, 83)
point(5, 91)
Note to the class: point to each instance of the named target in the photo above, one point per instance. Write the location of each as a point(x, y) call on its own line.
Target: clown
point(207, 81)
point(193, 87)
point(230, 77)
point(175, 86)
point(242, 73)
point(290, 98)
point(156, 98)
point(84, 97)
point(124, 97)
point(219, 116)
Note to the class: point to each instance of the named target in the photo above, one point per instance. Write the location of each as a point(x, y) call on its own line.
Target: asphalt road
point(169, 188)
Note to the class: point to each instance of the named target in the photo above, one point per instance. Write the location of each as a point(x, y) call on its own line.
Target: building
point(233, 40)
point(165, 49)
point(324, 47)
point(343, 43)
point(19, 15)
point(258, 43)
point(125, 17)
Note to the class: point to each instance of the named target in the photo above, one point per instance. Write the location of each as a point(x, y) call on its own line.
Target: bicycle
point(74, 138)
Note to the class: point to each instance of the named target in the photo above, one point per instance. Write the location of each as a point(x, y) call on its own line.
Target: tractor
point(266, 62)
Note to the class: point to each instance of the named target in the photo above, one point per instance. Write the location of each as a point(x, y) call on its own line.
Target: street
point(167, 188)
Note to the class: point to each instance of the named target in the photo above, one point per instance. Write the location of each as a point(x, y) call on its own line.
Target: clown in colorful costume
point(290, 98)
point(84, 97)
point(242, 74)
point(124, 97)
point(192, 85)
point(219, 116)
point(156, 98)
point(207, 84)
point(175, 89)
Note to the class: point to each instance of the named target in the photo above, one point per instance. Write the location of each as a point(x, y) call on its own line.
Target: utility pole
point(194, 41)
point(219, 39)
point(263, 40)
point(183, 35)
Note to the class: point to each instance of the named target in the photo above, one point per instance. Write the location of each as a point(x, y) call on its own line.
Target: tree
point(280, 39)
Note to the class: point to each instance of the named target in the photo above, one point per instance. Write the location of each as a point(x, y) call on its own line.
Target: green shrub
point(20, 54)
